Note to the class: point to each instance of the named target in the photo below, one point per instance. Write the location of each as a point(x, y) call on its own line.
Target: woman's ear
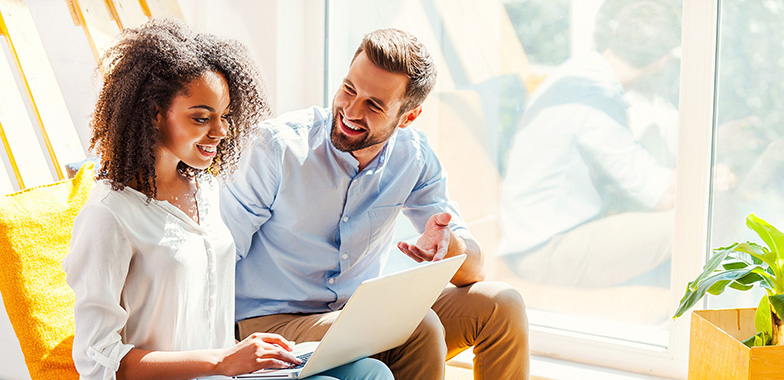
point(160, 120)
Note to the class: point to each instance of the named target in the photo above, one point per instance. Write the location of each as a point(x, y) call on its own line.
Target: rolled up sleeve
point(96, 269)
point(430, 197)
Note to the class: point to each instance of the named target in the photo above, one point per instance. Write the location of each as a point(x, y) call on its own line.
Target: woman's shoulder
point(106, 203)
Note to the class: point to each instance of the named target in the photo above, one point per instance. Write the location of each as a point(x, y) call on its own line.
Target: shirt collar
point(350, 164)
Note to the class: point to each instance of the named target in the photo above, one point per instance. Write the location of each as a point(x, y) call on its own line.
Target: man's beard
point(344, 144)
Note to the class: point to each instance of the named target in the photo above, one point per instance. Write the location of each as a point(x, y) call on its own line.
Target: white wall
point(285, 37)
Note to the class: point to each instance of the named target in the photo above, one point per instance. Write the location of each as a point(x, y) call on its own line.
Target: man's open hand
point(433, 245)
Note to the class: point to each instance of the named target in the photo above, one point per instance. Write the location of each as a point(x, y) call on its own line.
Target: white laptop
point(381, 314)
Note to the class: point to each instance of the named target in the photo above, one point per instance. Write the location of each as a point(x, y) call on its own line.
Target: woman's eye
point(201, 120)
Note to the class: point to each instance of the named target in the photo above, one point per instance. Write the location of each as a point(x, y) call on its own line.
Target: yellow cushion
point(35, 233)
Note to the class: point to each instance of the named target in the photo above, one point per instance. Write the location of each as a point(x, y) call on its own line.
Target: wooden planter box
point(716, 351)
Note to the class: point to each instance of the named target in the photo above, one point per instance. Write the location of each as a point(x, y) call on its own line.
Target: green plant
point(741, 266)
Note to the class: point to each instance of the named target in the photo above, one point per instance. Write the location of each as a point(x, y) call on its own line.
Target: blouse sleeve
point(96, 268)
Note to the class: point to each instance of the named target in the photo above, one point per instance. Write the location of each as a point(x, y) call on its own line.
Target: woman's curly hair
point(143, 72)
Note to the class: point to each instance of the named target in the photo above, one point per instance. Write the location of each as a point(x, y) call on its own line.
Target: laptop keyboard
point(304, 358)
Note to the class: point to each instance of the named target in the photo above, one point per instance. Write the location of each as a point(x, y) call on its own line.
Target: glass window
point(749, 131)
point(558, 123)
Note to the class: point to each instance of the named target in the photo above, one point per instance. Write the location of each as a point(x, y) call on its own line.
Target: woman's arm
point(257, 351)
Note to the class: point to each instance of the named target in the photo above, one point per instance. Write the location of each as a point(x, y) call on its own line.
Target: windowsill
point(545, 368)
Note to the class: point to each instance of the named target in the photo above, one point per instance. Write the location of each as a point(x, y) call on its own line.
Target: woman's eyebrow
point(206, 107)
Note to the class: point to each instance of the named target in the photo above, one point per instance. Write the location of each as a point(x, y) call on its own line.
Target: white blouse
point(147, 276)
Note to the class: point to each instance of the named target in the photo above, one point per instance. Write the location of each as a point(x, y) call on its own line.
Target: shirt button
point(345, 219)
point(331, 281)
point(345, 256)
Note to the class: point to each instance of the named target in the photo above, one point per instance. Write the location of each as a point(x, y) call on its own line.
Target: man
point(313, 211)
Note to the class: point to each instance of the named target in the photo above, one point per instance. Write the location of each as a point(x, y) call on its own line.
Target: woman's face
point(195, 122)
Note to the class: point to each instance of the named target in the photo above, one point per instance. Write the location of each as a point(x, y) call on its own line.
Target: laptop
point(381, 314)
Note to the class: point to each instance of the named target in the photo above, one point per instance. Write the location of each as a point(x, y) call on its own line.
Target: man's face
point(365, 108)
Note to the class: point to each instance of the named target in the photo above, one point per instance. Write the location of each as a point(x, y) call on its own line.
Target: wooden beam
point(55, 125)
point(127, 13)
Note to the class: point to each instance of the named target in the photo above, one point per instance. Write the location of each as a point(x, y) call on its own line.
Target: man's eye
point(349, 90)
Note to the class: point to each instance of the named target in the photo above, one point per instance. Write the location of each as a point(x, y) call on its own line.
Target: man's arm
point(438, 241)
point(245, 199)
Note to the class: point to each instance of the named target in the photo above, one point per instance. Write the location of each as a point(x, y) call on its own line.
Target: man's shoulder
point(297, 121)
point(294, 129)
point(413, 143)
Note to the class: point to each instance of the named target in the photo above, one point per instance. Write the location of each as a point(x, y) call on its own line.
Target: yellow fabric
point(35, 233)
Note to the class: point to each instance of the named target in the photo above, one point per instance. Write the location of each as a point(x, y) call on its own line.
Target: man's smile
point(349, 128)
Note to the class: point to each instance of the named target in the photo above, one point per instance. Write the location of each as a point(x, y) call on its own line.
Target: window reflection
point(587, 197)
point(749, 127)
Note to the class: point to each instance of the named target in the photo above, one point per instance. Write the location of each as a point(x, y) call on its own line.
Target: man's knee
point(505, 305)
point(430, 335)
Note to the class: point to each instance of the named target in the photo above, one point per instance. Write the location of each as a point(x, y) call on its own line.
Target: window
point(749, 128)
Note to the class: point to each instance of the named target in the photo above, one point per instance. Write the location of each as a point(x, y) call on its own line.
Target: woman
point(151, 262)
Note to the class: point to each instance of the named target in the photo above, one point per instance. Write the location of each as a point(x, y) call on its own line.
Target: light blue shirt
point(309, 227)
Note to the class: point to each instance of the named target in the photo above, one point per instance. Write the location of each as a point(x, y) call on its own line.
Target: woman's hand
point(255, 352)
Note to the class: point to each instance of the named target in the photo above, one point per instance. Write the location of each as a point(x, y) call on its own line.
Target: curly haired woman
point(151, 262)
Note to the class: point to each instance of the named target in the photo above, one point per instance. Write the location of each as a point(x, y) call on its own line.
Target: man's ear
point(410, 116)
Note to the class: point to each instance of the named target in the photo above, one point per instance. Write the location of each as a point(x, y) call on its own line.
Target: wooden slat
point(24, 154)
point(127, 13)
point(98, 23)
point(162, 8)
point(56, 128)
point(6, 185)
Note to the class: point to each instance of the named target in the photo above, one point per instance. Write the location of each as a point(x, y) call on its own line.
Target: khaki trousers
point(489, 316)
point(602, 253)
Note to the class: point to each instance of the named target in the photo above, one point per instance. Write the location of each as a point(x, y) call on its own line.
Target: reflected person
point(561, 217)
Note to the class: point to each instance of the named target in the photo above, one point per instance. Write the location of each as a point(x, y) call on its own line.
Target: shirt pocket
point(382, 224)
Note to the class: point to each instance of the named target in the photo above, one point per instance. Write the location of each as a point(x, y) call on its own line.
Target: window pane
point(557, 122)
point(750, 124)
point(586, 211)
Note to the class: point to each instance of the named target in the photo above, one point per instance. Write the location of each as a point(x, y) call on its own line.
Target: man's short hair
point(639, 31)
point(399, 52)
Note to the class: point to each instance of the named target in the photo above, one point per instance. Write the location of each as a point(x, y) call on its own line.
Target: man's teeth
point(351, 125)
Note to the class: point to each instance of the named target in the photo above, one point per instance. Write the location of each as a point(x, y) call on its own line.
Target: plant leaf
point(696, 290)
point(769, 234)
point(719, 254)
point(761, 274)
point(777, 304)
point(718, 287)
point(750, 278)
point(757, 340)
point(762, 320)
point(737, 286)
point(757, 252)
point(734, 264)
